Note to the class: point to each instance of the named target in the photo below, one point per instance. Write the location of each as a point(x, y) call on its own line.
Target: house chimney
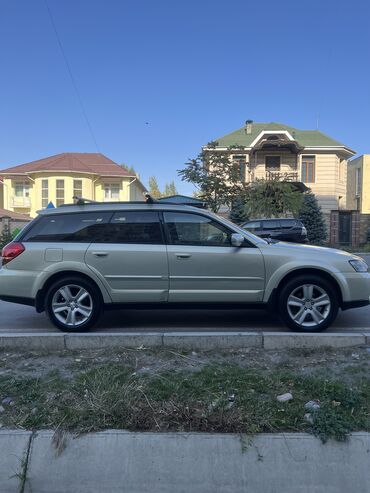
point(248, 127)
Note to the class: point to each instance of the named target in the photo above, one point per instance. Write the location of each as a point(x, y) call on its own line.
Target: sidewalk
point(119, 461)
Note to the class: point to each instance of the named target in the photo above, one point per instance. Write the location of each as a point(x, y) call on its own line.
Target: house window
point(308, 169)
point(77, 188)
point(358, 182)
point(60, 193)
point(44, 193)
point(111, 191)
point(22, 189)
point(240, 161)
point(272, 163)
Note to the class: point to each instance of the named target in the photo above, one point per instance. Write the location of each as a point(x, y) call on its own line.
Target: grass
point(216, 398)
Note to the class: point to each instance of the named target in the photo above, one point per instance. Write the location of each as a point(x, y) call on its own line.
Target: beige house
point(266, 150)
point(358, 184)
point(29, 187)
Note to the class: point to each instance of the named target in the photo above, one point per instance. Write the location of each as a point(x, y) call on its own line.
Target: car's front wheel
point(73, 304)
point(308, 303)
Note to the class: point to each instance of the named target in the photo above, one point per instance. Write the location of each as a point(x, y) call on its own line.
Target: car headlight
point(359, 265)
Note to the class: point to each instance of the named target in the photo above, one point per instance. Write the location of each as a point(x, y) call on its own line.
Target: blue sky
point(194, 70)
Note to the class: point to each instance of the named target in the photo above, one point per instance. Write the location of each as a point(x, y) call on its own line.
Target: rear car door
point(271, 229)
point(291, 230)
point(131, 256)
point(205, 267)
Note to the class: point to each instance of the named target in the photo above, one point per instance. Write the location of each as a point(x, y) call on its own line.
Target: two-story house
point(265, 150)
point(358, 184)
point(57, 179)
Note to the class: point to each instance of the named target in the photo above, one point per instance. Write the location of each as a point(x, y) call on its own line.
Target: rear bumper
point(18, 299)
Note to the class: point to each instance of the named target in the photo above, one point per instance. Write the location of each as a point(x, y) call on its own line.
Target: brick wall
point(360, 226)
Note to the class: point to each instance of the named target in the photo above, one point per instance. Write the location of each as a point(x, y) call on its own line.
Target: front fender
point(275, 277)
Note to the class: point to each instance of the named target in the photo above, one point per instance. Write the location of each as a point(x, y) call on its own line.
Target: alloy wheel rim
point(309, 305)
point(72, 305)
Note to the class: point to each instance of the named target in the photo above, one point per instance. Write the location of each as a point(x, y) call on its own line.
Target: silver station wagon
point(76, 260)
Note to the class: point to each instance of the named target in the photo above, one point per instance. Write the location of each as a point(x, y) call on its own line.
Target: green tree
point(130, 169)
point(312, 217)
point(271, 198)
point(154, 188)
point(217, 178)
point(238, 213)
point(170, 189)
point(5, 237)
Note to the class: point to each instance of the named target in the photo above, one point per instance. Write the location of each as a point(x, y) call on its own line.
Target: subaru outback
point(77, 260)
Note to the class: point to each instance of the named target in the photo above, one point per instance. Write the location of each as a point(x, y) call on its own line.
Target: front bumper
point(355, 289)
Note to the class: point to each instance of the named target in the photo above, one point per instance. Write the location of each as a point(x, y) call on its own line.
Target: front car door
point(131, 256)
point(205, 267)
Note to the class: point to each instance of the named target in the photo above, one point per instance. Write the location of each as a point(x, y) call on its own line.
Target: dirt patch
point(325, 392)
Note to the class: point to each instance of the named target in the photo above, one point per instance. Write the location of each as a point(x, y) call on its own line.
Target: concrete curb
point(213, 340)
point(185, 340)
point(285, 340)
point(39, 341)
point(120, 461)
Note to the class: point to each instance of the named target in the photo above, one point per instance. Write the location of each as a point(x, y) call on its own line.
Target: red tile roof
point(14, 215)
point(91, 163)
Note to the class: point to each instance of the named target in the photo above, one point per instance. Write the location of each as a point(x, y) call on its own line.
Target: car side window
point(252, 226)
point(288, 224)
point(80, 228)
point(273, 224)
point(195, 229)
point(140, 227)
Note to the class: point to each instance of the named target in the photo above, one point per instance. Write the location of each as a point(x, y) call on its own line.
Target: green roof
point(306, 138)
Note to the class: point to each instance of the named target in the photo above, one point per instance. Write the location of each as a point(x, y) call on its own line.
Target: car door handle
point(183, 255)
point(100, 254)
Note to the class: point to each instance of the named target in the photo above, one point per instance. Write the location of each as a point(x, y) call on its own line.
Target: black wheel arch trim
point(39, 302)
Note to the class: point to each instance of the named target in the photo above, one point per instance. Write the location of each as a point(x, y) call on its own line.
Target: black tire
point(95, 303)
point(292, 287)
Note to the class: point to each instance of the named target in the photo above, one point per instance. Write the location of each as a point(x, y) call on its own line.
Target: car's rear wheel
point(308, 303)
point(73, 304)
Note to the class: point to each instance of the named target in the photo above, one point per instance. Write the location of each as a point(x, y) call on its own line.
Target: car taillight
point(11, 251)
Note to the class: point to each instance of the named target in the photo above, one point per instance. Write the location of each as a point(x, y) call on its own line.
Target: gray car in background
point(75, 261)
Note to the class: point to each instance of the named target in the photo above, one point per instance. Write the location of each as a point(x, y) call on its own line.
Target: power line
point(69, 70)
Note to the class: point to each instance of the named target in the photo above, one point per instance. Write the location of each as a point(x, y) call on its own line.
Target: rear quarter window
point(83, 228)
point(289, 223)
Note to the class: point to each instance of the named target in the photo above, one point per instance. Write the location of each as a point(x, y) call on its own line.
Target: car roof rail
point(148, 200)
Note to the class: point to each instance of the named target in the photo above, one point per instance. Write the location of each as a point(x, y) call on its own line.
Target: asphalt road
point(17, 318)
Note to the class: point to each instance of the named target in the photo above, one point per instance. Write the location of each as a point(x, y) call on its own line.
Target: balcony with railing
point(21, 202)
point(291, 176)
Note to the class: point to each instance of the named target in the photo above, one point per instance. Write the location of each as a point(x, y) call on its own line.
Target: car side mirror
point(237, 239)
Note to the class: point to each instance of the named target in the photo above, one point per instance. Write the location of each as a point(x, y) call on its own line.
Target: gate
point(345, 228)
